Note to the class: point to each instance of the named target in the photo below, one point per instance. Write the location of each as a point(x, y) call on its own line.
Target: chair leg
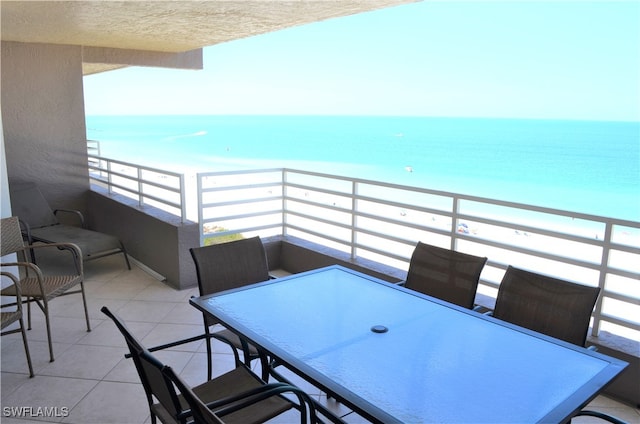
point(209, 352)
point(45, 309)
point(28, 314)
point(126, 258)
point(26, 347)
point(84, 302)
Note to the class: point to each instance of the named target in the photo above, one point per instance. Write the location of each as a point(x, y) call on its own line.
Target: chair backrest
point(28, 203)
point(149, 370)
point(230, 265)
point(200, 412)
point(548, 305)
point(11, 239)
point(445, 274)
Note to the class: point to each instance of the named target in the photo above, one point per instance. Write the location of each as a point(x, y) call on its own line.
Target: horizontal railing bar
point(410, 206)
point(621, 297)
point(384, 236)
point(240, 187)
point(323, 220)
point(317, 234)
point(396, 222)
point(241, 202)
point(246, 215)
point(620, 321)
point(240, 172)
point(241, 230)
point(381, 252)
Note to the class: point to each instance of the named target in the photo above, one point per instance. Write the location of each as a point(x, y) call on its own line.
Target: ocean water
point(582, 166)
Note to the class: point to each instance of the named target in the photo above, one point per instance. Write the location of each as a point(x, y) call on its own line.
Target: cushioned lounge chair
point(445, 274)
point(239, 396)
point(35, 285)
point(41, 224)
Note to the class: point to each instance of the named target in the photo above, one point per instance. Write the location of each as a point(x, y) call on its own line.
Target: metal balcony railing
point(148, 186)
point(382, 222)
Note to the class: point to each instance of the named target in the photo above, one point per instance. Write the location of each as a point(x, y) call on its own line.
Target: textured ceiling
point(167, 26)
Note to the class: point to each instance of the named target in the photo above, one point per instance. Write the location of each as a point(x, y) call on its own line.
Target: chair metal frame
point(35, 285)
point(227, 266)
point(10, 317)
point(170, 407)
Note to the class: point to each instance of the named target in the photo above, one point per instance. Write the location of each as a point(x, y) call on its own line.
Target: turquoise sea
point(582, 166)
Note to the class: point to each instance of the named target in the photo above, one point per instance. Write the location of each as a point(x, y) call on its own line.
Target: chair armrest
point(16, 284)
point(258, 394)
point(72, 248)
point(74, 212)
point(27, 265)
point(602, 416)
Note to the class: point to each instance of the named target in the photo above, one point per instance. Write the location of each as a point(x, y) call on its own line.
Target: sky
point(496, 59)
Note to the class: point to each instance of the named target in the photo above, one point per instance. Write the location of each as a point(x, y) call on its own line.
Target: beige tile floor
point(91, 381)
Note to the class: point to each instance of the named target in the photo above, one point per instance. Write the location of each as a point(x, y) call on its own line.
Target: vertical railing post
point(455, 209)
point(354, 219)
point(140, 187)
point(110, 178)
point(283, 207)
point(183, 199)
point(199, 178)
point(602, 279)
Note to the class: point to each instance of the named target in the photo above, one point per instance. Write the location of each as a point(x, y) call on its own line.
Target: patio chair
point(239, 396)
point(15, 315)
point(34, 284)
point(42, 225)
point(445, 274)
point(228, 266)
point(202, 412)
point(548, 305)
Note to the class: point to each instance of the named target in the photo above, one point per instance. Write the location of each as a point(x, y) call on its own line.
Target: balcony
point(308, 220)
point(91, 381)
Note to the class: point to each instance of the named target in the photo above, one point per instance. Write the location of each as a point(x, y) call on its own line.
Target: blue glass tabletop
point(399, 355)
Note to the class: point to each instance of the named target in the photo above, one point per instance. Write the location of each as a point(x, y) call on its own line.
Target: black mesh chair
point(445, 274)
point(548, 305)
point(239, 395)
point(228, 266)
point(557, 308)
point(202, 412)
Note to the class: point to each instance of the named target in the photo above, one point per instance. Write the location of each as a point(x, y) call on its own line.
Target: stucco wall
point(153, 237)
point(43, 120)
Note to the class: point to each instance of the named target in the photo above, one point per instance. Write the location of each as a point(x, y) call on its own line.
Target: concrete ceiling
point(164, 26)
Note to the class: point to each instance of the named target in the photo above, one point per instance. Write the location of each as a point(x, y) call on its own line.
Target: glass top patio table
point(394, 355)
